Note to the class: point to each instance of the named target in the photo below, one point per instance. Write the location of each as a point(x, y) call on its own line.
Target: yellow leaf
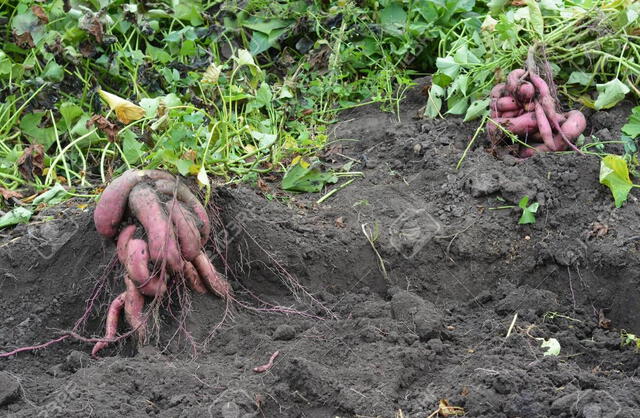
point(126, 112)
point(299, 160)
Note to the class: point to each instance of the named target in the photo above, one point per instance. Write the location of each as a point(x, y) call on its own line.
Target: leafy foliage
point(591, 46)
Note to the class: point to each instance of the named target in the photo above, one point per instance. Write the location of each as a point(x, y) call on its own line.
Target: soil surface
point(411, 285)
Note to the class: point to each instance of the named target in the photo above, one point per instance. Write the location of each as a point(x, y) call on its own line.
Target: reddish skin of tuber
point(184, 195)
point(193, 278)
point(133, 304)
point(210, 277)
point(113, 202)
point(112, 323)
point(137, 266)
point(124, 237)
point(525, 92)
point(543, 127)
point(574, 125)
point(147, 208)
point(186, 229)
point(512, 113)
point(498, 91)
point(522, 125)
point(507, 104)
point(514, 79)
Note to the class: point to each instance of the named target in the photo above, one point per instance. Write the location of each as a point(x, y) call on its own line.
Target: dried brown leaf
point(40, 14)
point(108, 128)
point(8, 194)
point(31, 162)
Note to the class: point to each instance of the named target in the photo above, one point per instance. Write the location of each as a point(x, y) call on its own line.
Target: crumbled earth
point(458, 312)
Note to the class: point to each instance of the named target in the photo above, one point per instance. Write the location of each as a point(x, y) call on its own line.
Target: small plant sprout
point(528, 211)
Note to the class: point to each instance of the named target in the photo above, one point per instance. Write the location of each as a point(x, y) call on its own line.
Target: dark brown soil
point(364, 342)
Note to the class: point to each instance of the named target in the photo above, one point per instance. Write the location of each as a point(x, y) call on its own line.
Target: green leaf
point(263, 95)
point(265, 140)
point(306, 179)
point(614, 174)
point(183, 166)
point(53, 72)
point(580, 77)
point(16, 216)
point(457, 105)
point(259, 43)
point(157, 54)
point(448, 66)
point(30, 126)
point(131, 148)
point(536, 19)
point(632, 127)
point(266, 26)
point(477, 109)
point(528, 211)
point(53, 196)
point(188, 10)
point(552, 345)
point(610, 94)
point(70, 113)
point(434, 101)
point(393, 18)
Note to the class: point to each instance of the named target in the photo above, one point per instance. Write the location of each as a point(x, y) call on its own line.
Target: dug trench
point(396, 292)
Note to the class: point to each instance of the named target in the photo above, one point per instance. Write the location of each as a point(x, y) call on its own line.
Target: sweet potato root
point(184, 195)
point(507, 104)
point(113, 202)
point(192, 278)
point(210, 277)
point(186, 229)
point(147, 208)
point(111, 326)
point(513, 80)
point(137, 266)
point(124, 237)
point(521, 125)
point(133, 304)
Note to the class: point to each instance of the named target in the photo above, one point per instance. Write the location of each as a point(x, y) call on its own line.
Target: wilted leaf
point(31, 162)
point(16, 216)
point(91, 23)
point(212, 74)
point(447, 410)
point(40, 14)
point(552, 345)
point(244, 57)
point(610, 94)
point(8, 194)
point(106, 127)
point(126, 111)
point(614, 174)
point(303, 177)
point(202, 177)
point(52, 196)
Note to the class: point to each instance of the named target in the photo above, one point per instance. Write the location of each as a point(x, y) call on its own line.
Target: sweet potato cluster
point(175, 227)
point(524, 106)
